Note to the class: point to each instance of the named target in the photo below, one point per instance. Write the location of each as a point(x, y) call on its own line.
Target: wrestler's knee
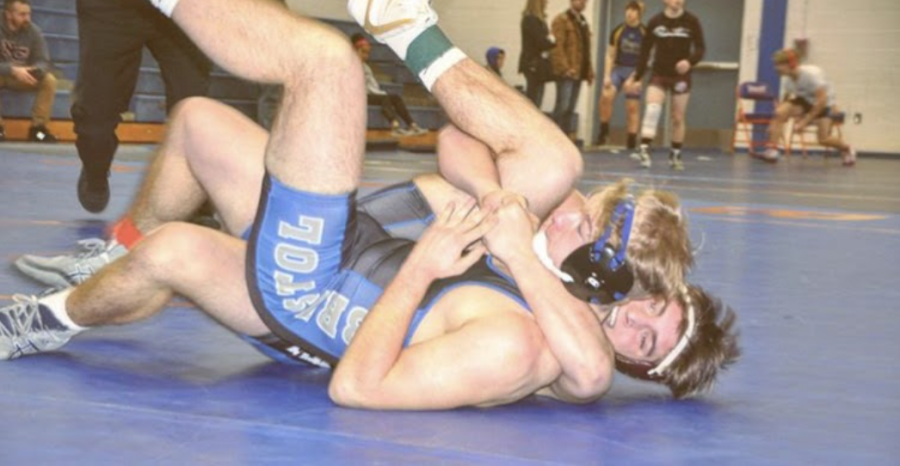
point(172, 251)
point(194, 110)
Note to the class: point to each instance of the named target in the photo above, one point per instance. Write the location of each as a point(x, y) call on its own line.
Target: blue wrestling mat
point(807, 252)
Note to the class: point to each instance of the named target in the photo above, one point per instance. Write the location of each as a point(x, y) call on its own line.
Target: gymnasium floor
point(806, 251)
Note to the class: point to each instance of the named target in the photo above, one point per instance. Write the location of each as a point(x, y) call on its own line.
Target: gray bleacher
point(58, 20)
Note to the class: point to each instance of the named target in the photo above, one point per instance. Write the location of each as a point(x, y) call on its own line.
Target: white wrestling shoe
point(675, 162)
point(71, 270)
point(644, 157)
point(28, 328)
point(385, 19)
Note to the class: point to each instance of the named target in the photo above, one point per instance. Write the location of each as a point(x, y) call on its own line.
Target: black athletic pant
point(112, 35)
point(391, 106)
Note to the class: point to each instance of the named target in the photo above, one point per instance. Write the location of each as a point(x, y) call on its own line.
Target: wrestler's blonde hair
point(659, 249)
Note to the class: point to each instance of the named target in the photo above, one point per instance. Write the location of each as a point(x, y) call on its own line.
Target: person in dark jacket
point(534, 62)
point(571, 60)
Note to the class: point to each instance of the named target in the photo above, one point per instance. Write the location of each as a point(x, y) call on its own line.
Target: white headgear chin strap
point(661, 368)
point(539, 244)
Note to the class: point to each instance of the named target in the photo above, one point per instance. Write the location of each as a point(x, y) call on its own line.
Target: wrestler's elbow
point(589, 382)
point(348, 391)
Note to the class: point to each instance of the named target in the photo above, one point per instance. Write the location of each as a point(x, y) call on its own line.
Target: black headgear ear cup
point(593, 279)
point(601, 273)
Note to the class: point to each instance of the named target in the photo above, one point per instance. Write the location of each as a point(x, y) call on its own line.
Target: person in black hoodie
point(677, 37)
point(534, 62)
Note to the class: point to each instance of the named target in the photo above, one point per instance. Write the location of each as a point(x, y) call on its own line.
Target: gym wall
point(855, 43)
point(476, 25)
point(858, 45)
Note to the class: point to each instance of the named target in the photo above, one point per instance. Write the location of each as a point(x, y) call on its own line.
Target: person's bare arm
point(818, 106)
point(572, 331)
point(542, 181)
point(377, 372)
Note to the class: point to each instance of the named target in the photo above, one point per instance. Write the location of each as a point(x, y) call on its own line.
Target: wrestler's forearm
point(377, 344)
point(571, 329)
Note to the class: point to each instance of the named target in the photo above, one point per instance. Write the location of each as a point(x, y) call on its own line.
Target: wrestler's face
point(645, 330)
point(567, 228)
point(17, 16)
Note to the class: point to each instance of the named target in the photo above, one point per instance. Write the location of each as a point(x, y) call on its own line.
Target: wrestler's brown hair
point(711, 349)
point(659, 249)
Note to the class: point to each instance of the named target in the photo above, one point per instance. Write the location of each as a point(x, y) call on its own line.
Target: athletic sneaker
point(675, 162)
point(384, 19)
point(636, 156)
point(771, 155)
point(849, 157)
point(71, 270)
point(27, 327)
point(416, 130)
point(644, 157)
point(40, 133)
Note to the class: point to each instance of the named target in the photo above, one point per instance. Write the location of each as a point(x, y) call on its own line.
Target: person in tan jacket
point(571, 59)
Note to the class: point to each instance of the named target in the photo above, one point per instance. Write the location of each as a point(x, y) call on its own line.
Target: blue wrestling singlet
point(317, 264)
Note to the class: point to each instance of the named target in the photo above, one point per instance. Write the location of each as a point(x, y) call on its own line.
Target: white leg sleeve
point(651, 121)
point(165, 6)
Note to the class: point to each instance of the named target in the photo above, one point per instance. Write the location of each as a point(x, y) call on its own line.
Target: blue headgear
point(600, 273)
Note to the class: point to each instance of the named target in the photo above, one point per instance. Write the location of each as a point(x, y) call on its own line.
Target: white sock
point(56, 303)
point(165, 6)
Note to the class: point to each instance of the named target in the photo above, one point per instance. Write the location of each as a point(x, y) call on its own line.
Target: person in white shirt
point(808, 98)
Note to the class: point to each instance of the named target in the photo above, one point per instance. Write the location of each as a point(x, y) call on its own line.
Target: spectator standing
point(571, 60)
point(25, 66)
point(534, 62)
point(621, 58)
point(677, 37)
